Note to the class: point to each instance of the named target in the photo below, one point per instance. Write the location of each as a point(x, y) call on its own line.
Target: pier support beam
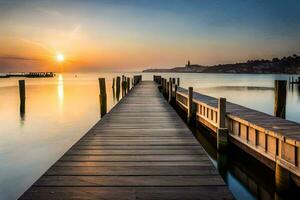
point(282, 179)
point(102, 96)
point(280, 98)
point(222, 132)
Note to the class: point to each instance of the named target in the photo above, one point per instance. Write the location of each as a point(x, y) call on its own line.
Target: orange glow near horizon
point(96, 36)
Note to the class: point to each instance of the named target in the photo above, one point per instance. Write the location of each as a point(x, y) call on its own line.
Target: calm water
point(60, 110)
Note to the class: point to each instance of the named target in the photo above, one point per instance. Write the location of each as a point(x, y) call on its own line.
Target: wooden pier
point(272, 140)
point(141, 149)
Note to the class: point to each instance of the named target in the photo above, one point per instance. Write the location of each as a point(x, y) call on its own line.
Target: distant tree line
point(290, 64)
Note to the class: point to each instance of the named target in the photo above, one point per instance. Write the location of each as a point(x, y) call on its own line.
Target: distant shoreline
point(285, 65)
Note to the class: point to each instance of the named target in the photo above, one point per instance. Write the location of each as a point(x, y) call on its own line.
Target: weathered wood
point(130, 193)
point(22, 96)
point(118, 82)
point(128, 84)
point(140, 150)
point(280, 99)
point(271, 140)
point(191, 110)
point(170, 90)
point(102, 96)
point(178, 81)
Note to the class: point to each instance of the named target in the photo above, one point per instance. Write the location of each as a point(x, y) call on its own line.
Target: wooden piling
point(178, 81)
point(170, 90)
point(191, 111)
point(113, 83)
point(280, 98)
point(118, 87)
point(175, 91)
point(222, 131)
point(124, 87)
point(102, 96)
point(22, 90)
point(173, 80)
point(163, 86)
point(128, 84)
point(22, 96)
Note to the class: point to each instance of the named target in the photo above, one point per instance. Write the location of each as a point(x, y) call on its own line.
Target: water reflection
point(22, 112)
point(60, 91)
point(246, 177)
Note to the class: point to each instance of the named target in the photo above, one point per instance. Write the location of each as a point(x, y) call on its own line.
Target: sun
point(60, 57)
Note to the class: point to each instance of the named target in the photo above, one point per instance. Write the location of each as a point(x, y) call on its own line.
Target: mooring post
point(170, 90)
point(22, 90)
point(165, 86)
point(159, 79)
point(191, 108)
point(118, 87)
point(113, 83)
point(173, 80)
point(222, 132)
point(22, 95)
point(280, 98)
point(178, 81)
point(102, 96)
point(124, 87)
point(175, 91)
point(167, 90)
point(128, 84)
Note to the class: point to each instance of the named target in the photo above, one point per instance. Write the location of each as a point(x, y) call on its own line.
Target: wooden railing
point(272, 145)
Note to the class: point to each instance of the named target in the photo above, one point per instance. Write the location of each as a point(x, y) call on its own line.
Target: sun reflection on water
point(60, 91)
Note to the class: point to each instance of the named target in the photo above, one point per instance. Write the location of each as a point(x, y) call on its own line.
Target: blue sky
point(138, 34)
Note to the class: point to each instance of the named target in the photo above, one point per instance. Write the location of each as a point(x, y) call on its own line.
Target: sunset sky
point(128, 35)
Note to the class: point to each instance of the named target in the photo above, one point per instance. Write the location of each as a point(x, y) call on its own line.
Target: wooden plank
point(131, 171)
point(109, 181)
point(134, 163)
point(129, 193)
point(135, 152)
point(126, 158)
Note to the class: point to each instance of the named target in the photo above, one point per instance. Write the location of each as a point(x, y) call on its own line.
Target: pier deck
point(141, 149)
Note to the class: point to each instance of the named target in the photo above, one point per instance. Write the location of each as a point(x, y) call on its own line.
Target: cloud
point(21, 58)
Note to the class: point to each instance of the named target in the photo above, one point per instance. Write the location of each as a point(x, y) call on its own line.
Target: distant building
point(188, 64)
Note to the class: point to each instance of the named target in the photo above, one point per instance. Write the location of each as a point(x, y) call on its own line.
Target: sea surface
point(60, 110)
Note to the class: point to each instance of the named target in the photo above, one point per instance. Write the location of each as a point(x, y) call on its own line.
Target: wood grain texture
point(141, 149)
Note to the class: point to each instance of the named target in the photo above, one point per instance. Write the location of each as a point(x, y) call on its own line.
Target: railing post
point(170, 90)
point(102, 96)
point(191, 109)
point(222, 131)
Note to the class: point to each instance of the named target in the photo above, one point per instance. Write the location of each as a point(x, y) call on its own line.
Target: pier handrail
point(277, 140)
